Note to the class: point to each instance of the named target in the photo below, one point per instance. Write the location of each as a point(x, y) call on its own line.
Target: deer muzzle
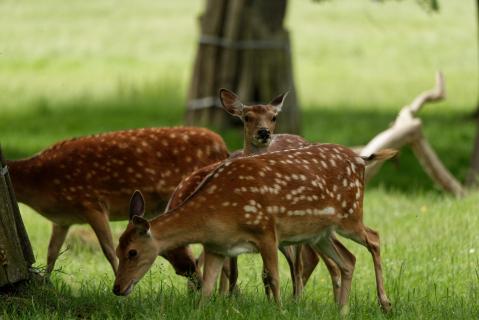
point(263, 136)
point(119, 291)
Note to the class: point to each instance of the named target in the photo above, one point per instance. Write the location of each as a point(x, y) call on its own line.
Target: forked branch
point(407, 130)
point(436, 94)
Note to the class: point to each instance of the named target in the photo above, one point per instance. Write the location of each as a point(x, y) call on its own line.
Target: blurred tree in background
point(244, 47)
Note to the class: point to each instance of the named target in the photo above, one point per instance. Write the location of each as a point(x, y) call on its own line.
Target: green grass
point(81, 67)
point(430, 258)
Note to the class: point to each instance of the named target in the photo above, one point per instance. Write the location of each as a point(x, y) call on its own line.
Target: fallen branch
point(407, 130)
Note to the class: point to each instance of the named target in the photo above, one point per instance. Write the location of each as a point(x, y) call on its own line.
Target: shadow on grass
point(44, 122)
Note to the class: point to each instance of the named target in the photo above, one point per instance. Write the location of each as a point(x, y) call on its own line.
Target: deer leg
point(225, 276)
point(298, 271)
point(99, 222)
point(269, 254)
point(200, 261)
point(370, 239)
point(266, 284)
point(334, 272)
point(345, 260)
point(233, 274)
point(333, 269)
point(288, 252)
point(310, 260)
point(57, 239)
point(184, 263)
point(212, 267)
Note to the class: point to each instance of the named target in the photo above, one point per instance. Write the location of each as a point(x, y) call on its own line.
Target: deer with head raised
point(89, 179)
point(259, 125)
point(255, 204)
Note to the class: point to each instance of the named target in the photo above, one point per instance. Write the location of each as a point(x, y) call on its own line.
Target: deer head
point(137, 250)
point(259, 120)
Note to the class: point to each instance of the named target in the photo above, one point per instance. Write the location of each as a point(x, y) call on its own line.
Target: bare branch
point(407, 130)
point(434, 95)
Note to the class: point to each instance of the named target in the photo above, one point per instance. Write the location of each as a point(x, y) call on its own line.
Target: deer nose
point(116, 289)
point(263, 133)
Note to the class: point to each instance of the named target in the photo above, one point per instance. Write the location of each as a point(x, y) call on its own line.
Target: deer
point(256, 204)
point(86, 180)
point(259, 124)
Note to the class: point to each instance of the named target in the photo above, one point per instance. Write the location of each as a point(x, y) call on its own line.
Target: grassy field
point(80, 67)
point(430, 260)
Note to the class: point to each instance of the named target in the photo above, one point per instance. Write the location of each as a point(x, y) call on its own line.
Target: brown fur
point(260, 202)
point(90, 179)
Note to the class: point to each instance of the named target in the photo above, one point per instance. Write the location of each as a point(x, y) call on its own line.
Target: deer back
point(321, 182)
point(191, 183)
point(101, 171)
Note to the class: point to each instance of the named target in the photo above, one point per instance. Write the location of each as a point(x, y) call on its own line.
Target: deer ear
point(277, 102)
point(141, 224)
point(137, 205)
point(231, 102)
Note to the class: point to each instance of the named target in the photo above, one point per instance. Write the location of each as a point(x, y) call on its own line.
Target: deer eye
point(247, 118)
point(132, 254)
point(273, 119)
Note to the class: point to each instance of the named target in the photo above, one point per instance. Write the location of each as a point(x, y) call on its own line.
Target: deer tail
point(380, 155)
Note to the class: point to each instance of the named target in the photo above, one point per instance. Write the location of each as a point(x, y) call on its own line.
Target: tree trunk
point(471, 179)
point(16, 255)
point(243, 47)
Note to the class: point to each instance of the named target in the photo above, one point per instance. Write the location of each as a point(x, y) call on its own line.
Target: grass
point(430, 260)
point(81, 67)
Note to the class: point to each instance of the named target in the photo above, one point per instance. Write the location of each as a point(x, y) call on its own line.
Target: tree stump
point(16, 255)
point(243, 47)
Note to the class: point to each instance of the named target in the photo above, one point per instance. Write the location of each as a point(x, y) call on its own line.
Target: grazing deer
point(259, 124)
point(87, 180)
point(255, 204)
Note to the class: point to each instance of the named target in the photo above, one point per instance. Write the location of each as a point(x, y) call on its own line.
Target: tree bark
point(244, 47)
point(16, 255)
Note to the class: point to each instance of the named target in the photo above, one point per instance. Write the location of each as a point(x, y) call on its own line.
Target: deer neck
point(249, 148)
point(178, 228)
point(22, 174)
